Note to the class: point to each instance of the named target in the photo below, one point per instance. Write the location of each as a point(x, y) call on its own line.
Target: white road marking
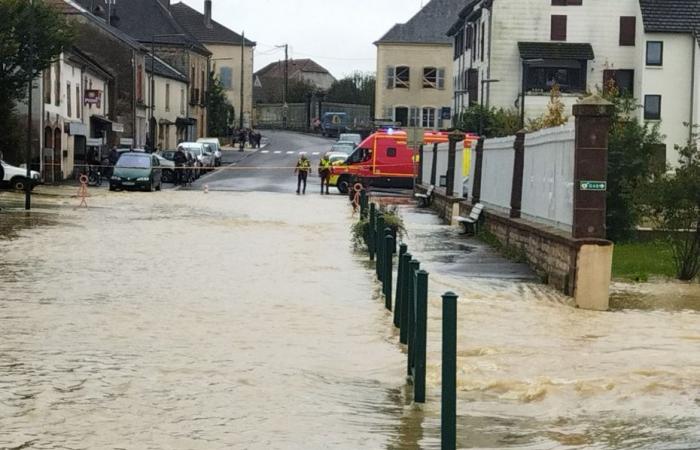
point(290, 152)
point(277, 152)
point(265, 151)
point(316, 153)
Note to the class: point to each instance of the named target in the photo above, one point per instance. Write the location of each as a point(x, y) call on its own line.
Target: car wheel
point(343, 185)
point(112, 188)
point(19, 184)
point(149, 188)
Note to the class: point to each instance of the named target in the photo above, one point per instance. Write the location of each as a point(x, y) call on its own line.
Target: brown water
point(184, 320)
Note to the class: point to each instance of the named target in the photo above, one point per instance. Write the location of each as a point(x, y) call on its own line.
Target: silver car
point(202, 152)
point(216, 148)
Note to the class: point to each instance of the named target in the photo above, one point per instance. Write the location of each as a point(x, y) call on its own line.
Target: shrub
point(392, 220)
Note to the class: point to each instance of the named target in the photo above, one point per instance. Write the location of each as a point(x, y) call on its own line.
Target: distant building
point(647, 48)
point(225, 46)
point(270, 79)
point(414, 68)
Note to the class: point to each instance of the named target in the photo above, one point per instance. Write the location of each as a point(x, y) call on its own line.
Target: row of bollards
point(410, 316)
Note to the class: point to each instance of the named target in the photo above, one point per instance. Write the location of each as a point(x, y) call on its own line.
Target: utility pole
point(28, 150)
point(286, 72)
point(240, 112)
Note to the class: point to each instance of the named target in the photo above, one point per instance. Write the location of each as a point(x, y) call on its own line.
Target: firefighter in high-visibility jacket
point(324, 171)
point(302, 171)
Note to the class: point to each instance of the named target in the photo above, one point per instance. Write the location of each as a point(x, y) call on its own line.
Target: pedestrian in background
point(180, 161)
point(242, 138)
point(324, 171)
point(302, 171)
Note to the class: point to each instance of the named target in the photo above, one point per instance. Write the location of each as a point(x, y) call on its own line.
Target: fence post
point(433, 170)
point(403, 301)
point(403, 249)
point(363, 204)
point(419, 175)
point(372, 224)
point(421, 336)
point(388, 267)
point(413, 267)
point(516, 193)
point(476, 187)
point(380, 243)
point(448, 417)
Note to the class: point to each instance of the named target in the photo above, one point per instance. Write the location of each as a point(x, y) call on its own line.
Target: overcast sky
point(338, 34)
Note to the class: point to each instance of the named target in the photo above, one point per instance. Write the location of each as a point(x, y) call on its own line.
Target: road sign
point(600, 186)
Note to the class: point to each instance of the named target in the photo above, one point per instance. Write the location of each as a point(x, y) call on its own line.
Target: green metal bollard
point(403, 249)
point(413, 268)
point(449, 372)
point(421, 336)
point(372, 223)
point(405, 293)
point(388, 267)
point(380, 244)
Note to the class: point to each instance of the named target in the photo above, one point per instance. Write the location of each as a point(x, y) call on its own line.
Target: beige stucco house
point(225, 45)
point(414, 68)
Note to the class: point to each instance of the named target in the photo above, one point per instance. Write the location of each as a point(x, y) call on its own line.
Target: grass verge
point(640, 260)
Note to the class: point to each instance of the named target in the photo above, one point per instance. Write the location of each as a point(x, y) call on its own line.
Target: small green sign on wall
point(599, 186)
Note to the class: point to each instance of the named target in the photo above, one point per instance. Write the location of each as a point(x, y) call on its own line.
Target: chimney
point(207, 13)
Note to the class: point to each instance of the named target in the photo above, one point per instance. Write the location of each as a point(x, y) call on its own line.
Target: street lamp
point(526, 65)
point(481, 113)
point(151, 125)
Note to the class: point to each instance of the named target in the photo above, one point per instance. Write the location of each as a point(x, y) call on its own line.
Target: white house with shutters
point(647, 48)
point(414, 70)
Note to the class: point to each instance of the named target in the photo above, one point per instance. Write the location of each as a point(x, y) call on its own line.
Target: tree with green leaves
point(358, 88)
point(220, 112)
point(32, 36)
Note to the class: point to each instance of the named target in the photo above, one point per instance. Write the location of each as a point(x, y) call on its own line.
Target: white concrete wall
point(497, 173)
point(673, 81)
point(548, 177)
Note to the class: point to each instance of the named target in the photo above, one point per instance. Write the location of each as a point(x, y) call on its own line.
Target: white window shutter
point(390, 77)
point(441, 78)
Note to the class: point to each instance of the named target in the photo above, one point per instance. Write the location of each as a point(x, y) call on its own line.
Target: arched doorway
point(57, 175)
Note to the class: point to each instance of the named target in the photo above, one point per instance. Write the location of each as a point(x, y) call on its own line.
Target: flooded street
point(244, 320)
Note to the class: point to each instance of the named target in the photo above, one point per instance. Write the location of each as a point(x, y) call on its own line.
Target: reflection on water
point(183, 320)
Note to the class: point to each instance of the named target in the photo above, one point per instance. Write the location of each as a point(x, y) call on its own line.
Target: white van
point(214, 142)
point(16, 177)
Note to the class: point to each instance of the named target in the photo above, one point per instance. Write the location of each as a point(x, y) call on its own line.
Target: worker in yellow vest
point(302, 171)
point(324, 171)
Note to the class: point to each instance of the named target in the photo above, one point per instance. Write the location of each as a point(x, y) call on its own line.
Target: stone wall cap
point(594, 100)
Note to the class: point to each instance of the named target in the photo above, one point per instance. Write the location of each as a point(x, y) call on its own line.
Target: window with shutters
point(558, 28)
point(139, 83)
point(473, 86)
point(226, 77)
point(57, 84)
point(69, 103)
point(47, 85)
point(481, 48)
point(619, 82)
point(652, 107)
point(414, 117)
point(402, 79)
point(429, 118)
point(655, 53)
point(182, 101)
point(430, 78)
point(78, 103)
point(167, 96)
point(628, 30)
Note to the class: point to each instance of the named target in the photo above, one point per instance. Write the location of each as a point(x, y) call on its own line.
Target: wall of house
point(673, 81)
point(416, 57)
point(229, 56)
point(168, 110)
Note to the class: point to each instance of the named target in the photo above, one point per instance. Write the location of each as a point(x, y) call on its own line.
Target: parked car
point(216, 148)
point(168, 168)
point(337, 157)
point(344, 147)
point(205, 159)
point(355, 138)
point(136, 170)
point(16, 177)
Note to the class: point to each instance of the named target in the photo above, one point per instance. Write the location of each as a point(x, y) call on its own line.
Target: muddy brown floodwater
point(190, 321)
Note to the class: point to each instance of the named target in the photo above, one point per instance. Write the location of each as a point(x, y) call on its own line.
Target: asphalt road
point(270, 169)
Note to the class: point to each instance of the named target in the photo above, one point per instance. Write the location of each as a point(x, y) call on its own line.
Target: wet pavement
point(186, 320)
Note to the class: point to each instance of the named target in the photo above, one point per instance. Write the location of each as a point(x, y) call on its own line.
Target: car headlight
point(143, 179)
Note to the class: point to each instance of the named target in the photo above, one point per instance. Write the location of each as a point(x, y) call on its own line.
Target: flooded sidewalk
point(184, 320)
point(535, 372)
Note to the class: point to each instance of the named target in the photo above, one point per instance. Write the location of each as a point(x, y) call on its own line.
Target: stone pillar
point(591, 167)
point(476, 188)
point(433, 169)
point(455, 137)
point(516, 195)
point(419, 175)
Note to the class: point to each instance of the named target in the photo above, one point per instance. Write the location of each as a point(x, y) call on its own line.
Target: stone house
point(171, 104)
point(414, 68)
point(233, 69)
point(270, 79)
point(582, 46)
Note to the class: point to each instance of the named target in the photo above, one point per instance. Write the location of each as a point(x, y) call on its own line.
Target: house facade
point(270, 79)
point(169, 101)
point(503, 48)
point(414, 68)
point(233, 69)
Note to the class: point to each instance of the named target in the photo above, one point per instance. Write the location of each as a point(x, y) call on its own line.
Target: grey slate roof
point(555, 50)
point(144, 19)
point(194, 22)
point(162, 69)
point(671, 16)
point(428, 26)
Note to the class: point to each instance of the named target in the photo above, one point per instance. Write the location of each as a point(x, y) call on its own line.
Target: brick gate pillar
point(476, 187)
point(455, 137)
point(591, 167)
